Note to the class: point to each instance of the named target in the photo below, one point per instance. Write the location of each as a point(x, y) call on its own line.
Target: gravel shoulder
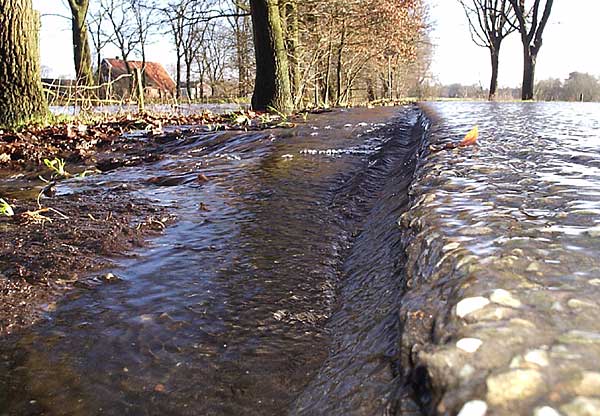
point(499, 315)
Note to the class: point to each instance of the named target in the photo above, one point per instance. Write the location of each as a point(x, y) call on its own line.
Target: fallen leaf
point(470, 138)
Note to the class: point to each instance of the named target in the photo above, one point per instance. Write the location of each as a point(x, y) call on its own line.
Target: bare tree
point(490, 22)
point(531, 27)
point(216, 54)
point(176, 19)
point(81, 47)
point(122, 28)
point(241, 27)
point(100, 38)
point(145, 20)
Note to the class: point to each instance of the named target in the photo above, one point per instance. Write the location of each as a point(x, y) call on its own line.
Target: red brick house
point(159, 83)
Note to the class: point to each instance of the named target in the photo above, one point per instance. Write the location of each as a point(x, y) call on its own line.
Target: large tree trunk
point(272, 87)
point(292, 43)
point(528, 75)
point(495, 57)
point(81, 46)
point(21, 97)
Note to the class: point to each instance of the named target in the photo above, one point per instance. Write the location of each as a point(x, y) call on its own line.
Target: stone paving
point(501, 312)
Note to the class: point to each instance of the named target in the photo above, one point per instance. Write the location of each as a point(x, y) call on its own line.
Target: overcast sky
point(570, 44)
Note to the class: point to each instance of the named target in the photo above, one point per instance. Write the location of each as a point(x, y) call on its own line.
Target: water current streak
point(275, 292)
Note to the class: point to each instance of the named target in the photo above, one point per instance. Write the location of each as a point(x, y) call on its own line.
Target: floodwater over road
point(504, 271)
point(329, 270)
point(258, 300)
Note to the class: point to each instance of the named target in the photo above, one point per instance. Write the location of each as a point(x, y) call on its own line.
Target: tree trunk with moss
point(21, 96)
point(81, 46)
point(289, 17)
point(272, 88)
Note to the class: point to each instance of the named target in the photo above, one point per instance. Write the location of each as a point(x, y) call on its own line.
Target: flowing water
point(512, 223)
point(535, 173)
point(274, 292)
point(278, 288)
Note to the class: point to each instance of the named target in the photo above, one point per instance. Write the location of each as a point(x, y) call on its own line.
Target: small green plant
point(86, 172)
point(57, 166)
point(283, 116)
point(241, 118)
point(6, 209)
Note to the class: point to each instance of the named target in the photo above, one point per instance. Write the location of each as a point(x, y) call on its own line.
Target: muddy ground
point(50, 243)
point(41, 258)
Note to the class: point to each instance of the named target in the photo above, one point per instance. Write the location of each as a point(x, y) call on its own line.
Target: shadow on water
point(274, 292)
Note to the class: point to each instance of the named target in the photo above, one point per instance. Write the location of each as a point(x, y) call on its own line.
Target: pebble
point(514, 385)
point(469, 305)
point(593, 232)
point(493, 314)
point(474, 408)
point(539, 357)
point(578, 304)
point(589, 384)
point(477, 231)
point(505, 298)
point(594, 282)
point(280, 314)
point(110, 278)
point(450, 246)
point(545, 411)
point(582, 406)
point(469, 345)
point(467, 371)
point(522, 322)
point(465, 260)
point(533, 267)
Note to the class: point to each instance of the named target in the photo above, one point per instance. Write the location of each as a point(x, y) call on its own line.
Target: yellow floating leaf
point(470, 138)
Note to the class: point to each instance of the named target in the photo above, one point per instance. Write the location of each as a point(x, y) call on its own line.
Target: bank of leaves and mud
point(49, 241)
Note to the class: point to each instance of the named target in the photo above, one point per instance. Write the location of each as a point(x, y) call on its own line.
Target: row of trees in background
point(210, 39)
point(491, 21)
point(299, 53)
point(577, 87)
point(330, 48)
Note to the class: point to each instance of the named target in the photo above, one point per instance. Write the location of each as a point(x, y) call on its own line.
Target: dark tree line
point(314, 51)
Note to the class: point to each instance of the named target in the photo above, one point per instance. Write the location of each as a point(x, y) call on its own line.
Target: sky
point(570, 44)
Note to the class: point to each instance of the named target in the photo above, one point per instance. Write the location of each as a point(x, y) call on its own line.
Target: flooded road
point(503, 273)
point(274, 292)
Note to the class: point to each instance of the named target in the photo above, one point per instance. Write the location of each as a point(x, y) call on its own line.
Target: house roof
point(156, 75)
